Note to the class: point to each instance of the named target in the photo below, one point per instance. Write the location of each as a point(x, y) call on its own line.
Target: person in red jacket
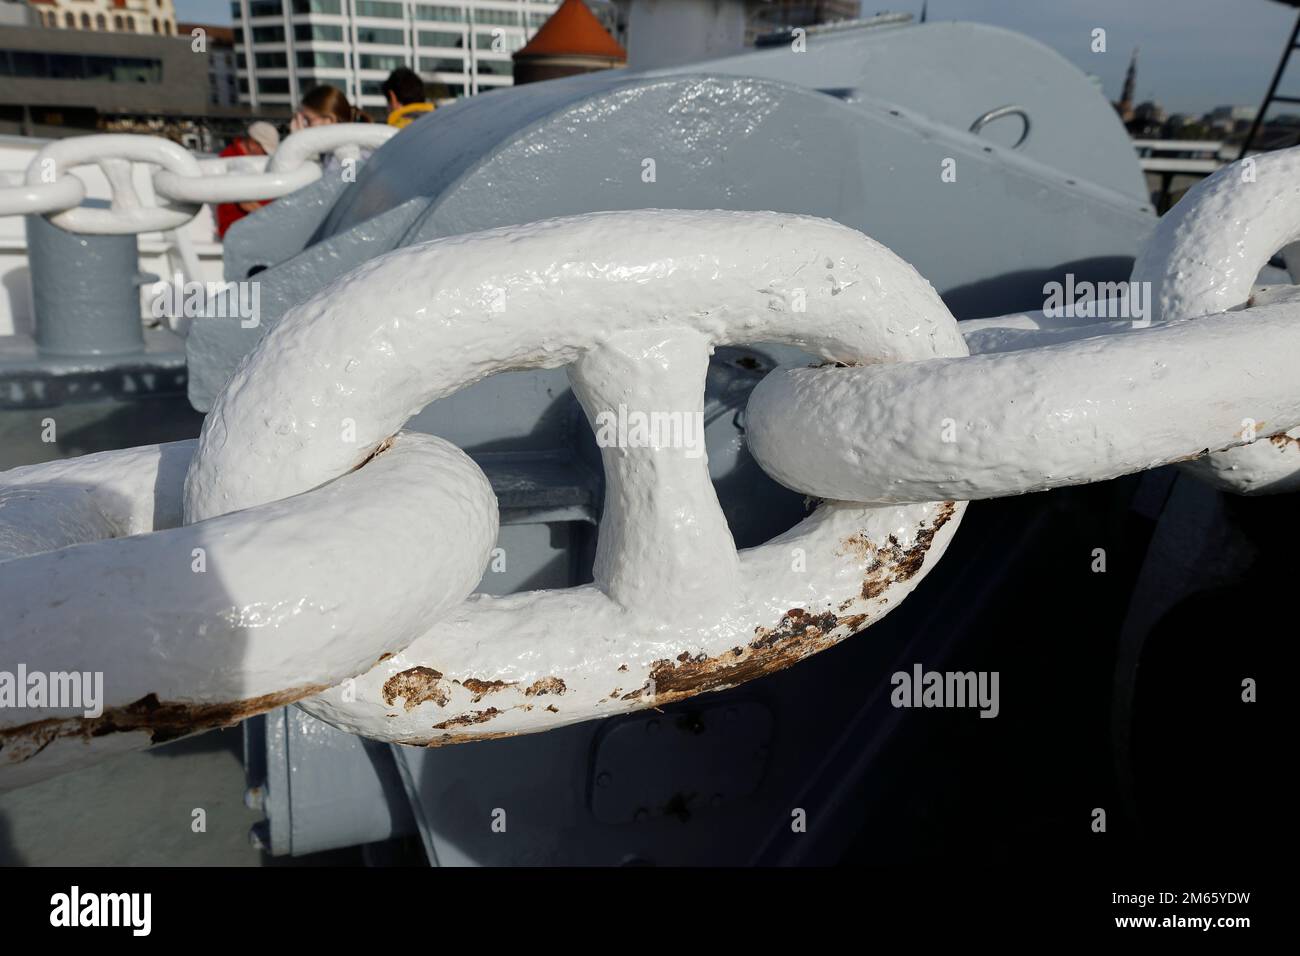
point(262, 140)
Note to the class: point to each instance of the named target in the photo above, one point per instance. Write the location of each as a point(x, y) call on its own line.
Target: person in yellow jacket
point(407, 100)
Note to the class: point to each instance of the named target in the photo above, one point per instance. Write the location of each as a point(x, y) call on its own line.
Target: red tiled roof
point(573, 30)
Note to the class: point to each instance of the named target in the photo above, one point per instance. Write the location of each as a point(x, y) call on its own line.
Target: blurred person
point(407, 99)
point(262, 139)
point(324, 105)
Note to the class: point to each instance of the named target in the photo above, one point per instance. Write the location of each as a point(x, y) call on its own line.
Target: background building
point(223, 78)
point(459, 48)
point(62, 82)
point(156, 17)
point(780, 14)
point(572, 41)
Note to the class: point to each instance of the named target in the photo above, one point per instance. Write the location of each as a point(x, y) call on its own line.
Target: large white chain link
point(180, 183)
point(1051, 404)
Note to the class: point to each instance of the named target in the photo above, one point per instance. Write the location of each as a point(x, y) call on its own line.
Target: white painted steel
point(292, 166)
point(1012, 422)
point(1062, 401)
point(181, 185)
point(293, 596)
point(633, 302)
point(309, 144)
point(128, 212)
point(1202, 258)
point(44, 197)
point(218, 187)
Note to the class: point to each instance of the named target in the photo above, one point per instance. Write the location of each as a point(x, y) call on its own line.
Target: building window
point(273, 84)
point(441, 65)
point(495, 67)
point(377, 8)
point(451, 40)
point(271, 61)
point(537, 19)
point(101, 22)
point(77, 66)
point(157, 27)
point(261, 8)
point(318, 31)
point(70, 20)
point(379, 35)
point(508, 18)
point(320, 6)
point(268, 34)
point(445, 14)
point(381, 61)
point(321, 58)
point(85, 21)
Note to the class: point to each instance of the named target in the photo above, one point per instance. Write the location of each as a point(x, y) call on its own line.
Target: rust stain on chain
point(466, 720)
point(480, 688)
point(162, 720)
point(417, 685)
point(800, 633)
point(547, 685)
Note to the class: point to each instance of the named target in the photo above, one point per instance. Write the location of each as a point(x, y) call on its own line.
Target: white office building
point(459, 48)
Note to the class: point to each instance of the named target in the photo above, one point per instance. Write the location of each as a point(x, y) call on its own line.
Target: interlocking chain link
point(896, 428)
point(180, 183)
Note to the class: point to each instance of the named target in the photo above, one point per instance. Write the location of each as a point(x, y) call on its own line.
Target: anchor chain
point(180, 183)
point(344, 567)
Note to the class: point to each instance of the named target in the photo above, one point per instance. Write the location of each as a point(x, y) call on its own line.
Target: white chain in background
point(319, 578)
point(181, 183)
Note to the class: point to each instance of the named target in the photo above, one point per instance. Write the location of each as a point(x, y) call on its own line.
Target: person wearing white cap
point(263, 139)
point(264, 135)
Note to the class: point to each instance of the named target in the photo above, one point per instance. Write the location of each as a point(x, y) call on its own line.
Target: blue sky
point(1196, 54)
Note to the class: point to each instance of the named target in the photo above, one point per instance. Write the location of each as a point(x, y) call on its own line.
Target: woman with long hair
point(324, 105)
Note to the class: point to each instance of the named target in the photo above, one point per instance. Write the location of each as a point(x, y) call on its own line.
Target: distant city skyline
point(1195, 54)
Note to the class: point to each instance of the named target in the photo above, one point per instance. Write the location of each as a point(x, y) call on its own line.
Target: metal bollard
point(85, 292)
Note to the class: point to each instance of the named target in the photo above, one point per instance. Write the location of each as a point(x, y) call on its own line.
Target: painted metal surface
point(92, 310)
point(1031, 419)
point(515, 163)
point(182, 184)
point(633, 302)
point(113, 153)
point(1203, 258)
point(292, 166)
point(204, 624)
point(951, 73)
point(582, 144)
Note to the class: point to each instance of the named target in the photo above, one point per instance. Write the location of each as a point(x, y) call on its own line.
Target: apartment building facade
point(156, 17)
point(459, 47)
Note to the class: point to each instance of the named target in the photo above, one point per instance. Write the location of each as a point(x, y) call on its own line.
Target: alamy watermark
point(626, 428)
point(133, 911)
point(1098, 300)
point(922, 688)
point(24, 689)
point(207, 300)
